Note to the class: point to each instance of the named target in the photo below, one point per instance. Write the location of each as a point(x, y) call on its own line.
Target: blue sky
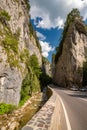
point(48, 20)
point(51, 36)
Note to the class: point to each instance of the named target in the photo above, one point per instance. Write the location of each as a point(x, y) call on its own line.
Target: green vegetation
point(30, 83)
point(9, 41)
point(4, 17)
point(70, 18)
point(13, 60)
point(35, 65)
point(34, 80)
point(10, 44)
point(6, 108)
point(24, 56)
point(27, 3)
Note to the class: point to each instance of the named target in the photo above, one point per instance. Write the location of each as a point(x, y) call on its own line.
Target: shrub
point(27, 4)
point(30, 83)
point(4, 17)
point(6, 108)
point(26, 86)
point(12, 60)
point(35, 65)
point(10, 43)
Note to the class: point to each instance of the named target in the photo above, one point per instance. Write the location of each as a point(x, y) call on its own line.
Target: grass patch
point(13, 60)
point(22, 102)
point(6, 108)
point(24, 55)
point(10, 43)
point(4, 17)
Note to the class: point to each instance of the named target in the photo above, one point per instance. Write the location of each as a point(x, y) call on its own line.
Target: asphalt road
point(75, 104)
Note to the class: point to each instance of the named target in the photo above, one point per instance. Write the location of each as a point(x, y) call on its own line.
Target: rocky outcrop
point(15, 46)
point(69, 67)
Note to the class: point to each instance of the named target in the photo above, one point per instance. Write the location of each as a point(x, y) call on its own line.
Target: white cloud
point(40, 36)
point(46, 48)
point(47, 23)
point(53, 13)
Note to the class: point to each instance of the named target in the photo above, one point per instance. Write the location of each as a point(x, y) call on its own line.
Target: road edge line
point(66, 115)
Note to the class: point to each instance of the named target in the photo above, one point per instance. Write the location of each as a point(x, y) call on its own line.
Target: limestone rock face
point(69, 68)
point(13, 73)
point(10, 86)
point(33, 49)
point(47, 68)
point(20, 20)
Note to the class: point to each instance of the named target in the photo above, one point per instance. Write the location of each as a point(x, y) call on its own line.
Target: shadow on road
point(79, 95)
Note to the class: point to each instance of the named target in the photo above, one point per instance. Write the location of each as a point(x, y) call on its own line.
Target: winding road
point(74, 104)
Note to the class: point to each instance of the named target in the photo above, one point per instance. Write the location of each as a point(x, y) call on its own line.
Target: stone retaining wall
point(48, 118)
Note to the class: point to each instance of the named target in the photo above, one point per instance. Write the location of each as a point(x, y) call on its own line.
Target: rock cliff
point(70, 65)
point(16, 45)
point(46, 66)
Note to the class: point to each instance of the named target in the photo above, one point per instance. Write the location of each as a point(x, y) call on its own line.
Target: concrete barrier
point(48, 117)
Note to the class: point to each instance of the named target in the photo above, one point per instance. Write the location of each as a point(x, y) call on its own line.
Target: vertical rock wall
point(12, 74)
point(69, 68)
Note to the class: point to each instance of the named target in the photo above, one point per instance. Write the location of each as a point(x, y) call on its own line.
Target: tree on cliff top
point(70, 18)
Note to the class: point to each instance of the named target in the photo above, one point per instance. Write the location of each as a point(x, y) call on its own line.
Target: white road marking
point(83, 99)
point(66, 115)
point(77, 94)
point(68, 92)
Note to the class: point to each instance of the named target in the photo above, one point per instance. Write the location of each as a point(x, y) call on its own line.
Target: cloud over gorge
point(46, 48)
point(53, 13)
